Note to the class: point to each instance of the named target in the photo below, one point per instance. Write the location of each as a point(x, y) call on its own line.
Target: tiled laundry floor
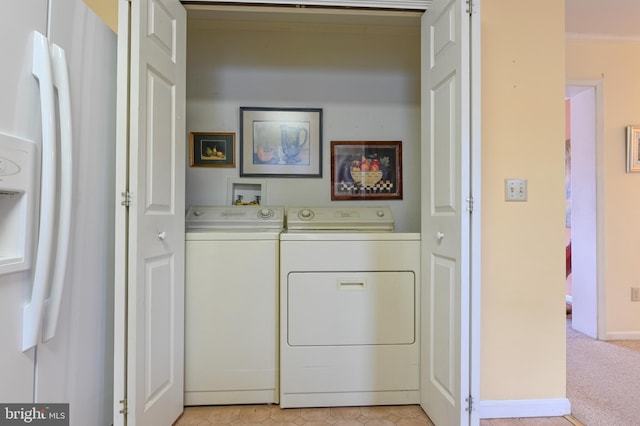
point(407, 415)
point(403, 415)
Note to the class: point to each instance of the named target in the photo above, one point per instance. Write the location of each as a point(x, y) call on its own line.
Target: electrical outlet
point(635, 294)
point(515, 190)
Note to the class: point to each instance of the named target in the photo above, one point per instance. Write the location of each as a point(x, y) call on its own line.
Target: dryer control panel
point(353, 218)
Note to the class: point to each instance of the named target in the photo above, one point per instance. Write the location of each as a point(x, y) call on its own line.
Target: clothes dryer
point(231, 304)
point(349, 314)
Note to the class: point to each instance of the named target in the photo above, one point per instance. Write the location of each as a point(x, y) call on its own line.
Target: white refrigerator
point(66, 358)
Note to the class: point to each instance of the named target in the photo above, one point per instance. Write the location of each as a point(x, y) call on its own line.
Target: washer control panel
point(340, 218)
point(220, 217)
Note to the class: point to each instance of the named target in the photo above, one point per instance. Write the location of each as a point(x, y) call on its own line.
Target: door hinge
point(470, 7)
point(470, 204)
point(126, 198)
point(469, 401)
point(123, 410)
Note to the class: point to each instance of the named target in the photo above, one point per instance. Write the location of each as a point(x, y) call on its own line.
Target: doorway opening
point(583, 186)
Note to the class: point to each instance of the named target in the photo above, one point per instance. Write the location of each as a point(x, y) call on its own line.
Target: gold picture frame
point(633, 149)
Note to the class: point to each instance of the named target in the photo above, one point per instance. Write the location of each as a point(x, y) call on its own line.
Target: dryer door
point(351, 308)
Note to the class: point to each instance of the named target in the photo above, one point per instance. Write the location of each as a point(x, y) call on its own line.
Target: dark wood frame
point(224, 142)
point(380, 182)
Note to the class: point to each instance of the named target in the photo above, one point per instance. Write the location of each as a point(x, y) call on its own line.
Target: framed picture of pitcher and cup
point(280, 142)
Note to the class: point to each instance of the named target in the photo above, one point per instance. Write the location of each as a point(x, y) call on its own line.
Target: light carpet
point(603, 380)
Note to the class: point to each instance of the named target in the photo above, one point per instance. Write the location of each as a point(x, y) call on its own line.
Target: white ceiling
point(603, 19)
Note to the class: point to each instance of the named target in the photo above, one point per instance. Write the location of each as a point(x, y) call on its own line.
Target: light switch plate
point(515, 190)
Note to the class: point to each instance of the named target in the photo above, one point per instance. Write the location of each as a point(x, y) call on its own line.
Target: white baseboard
point(623, 335)
point(553, 407)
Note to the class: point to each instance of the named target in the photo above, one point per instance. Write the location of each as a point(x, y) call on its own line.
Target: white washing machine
point(231, 304)
point(349, 309)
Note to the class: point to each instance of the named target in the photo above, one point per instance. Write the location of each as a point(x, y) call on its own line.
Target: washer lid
point(353, 218)
point(237, 217)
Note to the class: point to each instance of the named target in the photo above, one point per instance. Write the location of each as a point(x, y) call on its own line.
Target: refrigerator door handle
point(61, 83)
point(32, 311)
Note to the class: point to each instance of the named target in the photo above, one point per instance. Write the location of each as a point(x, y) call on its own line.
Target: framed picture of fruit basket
point(213, 149)
point(367, 170)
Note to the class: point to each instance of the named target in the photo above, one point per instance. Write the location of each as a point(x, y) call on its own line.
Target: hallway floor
point(268, 415)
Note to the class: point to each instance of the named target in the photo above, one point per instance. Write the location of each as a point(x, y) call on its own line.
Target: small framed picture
point(280, 142)
point(370, 170)
point(633, 149)
point(212, 149)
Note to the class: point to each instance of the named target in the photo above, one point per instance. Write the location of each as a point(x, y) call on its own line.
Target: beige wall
point(107, 10)
point(617, 65)
point(523, 286)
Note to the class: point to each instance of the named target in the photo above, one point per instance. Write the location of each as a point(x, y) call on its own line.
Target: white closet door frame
point(378, 4)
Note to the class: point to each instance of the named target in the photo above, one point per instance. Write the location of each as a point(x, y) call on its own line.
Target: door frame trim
point(365, 4)
point(120, 305)
point(475, 293)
